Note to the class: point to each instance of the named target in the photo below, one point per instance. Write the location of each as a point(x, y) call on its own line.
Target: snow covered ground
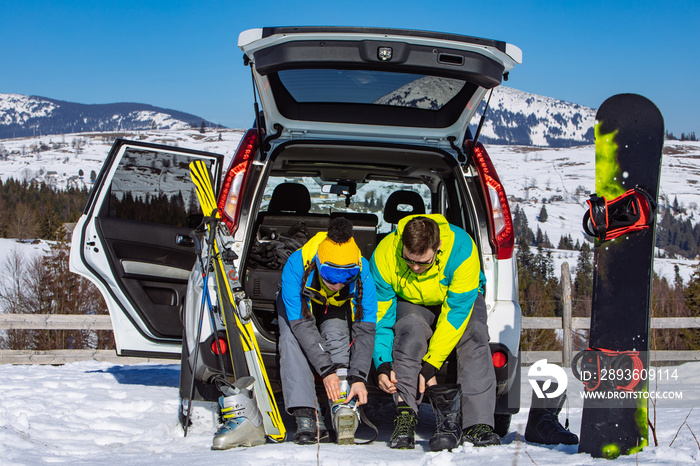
point(102, 413)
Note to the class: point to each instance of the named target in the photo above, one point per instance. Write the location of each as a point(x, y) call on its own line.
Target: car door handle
point(186, 241)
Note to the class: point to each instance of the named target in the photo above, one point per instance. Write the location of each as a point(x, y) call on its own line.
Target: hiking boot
point(404, 435)
point(242, 421)
point(481, 435)
point(346, 418)
point(309, 431)
point(446, 403)
point(543, 424)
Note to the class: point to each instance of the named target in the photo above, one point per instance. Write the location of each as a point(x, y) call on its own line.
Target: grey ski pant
point(298, 386)
point(475, 373)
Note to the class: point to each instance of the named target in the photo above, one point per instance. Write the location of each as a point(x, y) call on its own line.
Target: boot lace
point(404, 424)
point(479, 431)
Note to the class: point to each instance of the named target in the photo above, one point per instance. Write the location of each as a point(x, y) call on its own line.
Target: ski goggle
point(418, 263)
point(334, 274)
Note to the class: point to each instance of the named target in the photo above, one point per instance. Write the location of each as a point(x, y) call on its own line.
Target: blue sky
point(183, 54)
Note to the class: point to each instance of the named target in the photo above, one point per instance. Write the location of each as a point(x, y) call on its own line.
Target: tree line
point(31, 210)
point(541, 293)
point(44, 285)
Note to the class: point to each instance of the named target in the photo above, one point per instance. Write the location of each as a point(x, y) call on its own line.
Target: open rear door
point(133, 241)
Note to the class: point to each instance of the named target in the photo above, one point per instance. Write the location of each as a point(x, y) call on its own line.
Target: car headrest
point(290, 197)
point(410, 199)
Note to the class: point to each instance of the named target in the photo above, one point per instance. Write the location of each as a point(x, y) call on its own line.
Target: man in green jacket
point(429, 293)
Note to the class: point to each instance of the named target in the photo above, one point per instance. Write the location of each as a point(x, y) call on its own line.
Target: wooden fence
point(102, 322)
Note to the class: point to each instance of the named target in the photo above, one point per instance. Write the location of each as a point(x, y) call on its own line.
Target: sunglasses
point(334, 274)
point(419, 263)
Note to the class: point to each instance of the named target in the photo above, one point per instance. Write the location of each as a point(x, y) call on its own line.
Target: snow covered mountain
point(22, 115)
point(519, 118)
point(514, 117)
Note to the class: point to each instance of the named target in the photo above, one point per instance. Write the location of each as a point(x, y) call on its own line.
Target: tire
point(502, 424)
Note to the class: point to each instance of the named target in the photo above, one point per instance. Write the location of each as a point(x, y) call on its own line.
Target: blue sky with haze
point(183, 54)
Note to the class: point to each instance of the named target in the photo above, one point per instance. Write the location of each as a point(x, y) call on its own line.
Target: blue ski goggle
point(334, 274)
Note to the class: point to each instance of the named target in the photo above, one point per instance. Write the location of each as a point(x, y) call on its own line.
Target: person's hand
point(358, 389)
point(387, 382)
point(422, 384)
point(332, 384)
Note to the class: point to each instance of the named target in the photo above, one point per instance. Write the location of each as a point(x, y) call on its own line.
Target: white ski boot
point(346, 418)
point(243, 423)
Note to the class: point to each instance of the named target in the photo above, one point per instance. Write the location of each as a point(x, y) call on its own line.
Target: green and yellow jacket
point(454, 281)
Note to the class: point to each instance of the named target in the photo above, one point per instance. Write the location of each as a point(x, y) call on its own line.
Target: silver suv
point(367, 123)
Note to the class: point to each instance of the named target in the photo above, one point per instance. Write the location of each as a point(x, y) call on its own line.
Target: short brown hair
point(421, 234)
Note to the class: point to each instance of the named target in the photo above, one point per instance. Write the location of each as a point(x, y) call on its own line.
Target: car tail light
point(219, 346)
point(501, 223)
point(235, 178)
point(499, 359)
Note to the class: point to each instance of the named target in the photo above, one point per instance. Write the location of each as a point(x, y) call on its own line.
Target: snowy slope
point(563, 177)
point(22, 115)
point(517, 117)
point(104, 414)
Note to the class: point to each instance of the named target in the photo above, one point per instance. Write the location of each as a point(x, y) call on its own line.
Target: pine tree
point(583, 283)
point(520, 226)
point(692, 301)
point(543, 216)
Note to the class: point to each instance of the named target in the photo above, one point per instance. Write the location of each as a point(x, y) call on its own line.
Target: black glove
point(384, 368)
point(428, 371)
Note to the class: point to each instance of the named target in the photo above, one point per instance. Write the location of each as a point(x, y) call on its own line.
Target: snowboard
point(629, 133)
point(238, 322)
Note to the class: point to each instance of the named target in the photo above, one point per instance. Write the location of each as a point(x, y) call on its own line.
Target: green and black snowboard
point(629, 134)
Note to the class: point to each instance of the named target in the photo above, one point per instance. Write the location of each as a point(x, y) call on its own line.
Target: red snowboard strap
point(608, 368)
point(633, 211)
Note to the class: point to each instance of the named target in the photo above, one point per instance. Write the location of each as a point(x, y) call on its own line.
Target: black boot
point(446, 403)
point(481, 435)
point(404, 435)
point(543, 421)
point(309, 431)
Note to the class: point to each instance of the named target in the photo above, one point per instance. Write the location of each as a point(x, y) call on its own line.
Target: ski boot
point(404, 435)
point(543, 424)
point(242, 420)
point(346, 418)
point(481, 435)
point(446, 403)
point(309, 431)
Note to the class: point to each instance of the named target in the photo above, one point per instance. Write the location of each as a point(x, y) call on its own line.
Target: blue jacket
point(306, 331)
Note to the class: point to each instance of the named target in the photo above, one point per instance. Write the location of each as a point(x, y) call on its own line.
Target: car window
point(153, 186)
point(369, 198)
point(370, 87)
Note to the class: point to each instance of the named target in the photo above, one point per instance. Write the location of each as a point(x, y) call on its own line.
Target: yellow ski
point(243, 327)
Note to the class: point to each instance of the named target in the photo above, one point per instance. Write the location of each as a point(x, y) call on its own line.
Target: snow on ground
point(102, 413)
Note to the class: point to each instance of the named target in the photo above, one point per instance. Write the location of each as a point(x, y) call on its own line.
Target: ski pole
point(205, 276)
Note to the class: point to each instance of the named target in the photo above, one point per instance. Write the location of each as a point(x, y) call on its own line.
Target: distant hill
point(22, 116)
point(514, 118)
point(519, 118)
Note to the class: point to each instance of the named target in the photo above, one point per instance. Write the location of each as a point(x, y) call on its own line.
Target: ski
point(238, 326)
point(629, 134)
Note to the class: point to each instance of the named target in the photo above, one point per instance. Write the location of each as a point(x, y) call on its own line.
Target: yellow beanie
point(339, 253)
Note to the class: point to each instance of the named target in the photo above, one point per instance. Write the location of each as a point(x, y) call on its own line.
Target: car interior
point(373, 187)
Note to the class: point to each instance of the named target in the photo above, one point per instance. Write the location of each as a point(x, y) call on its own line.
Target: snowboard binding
point(632, 211)
point(607, 370)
